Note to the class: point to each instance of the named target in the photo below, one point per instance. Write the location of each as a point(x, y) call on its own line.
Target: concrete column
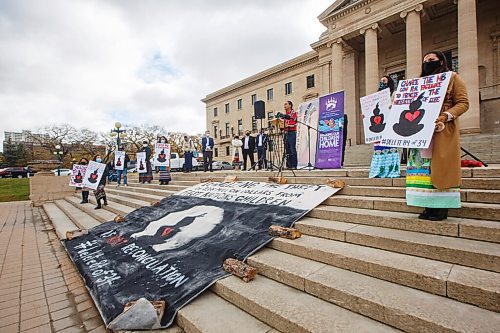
point(337, 68)
point(468, 63)
point(371, 58)
point(413, 41)
point(351, 99)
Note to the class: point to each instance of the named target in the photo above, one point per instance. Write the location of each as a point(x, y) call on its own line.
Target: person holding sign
point(165, 177)
point(433, 176)
point(385, 160)
point(146, 177)
point(85, 191)
point(99, 193)
point(121, 162)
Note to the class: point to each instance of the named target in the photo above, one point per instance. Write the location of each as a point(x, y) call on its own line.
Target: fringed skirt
point(385, 163)
point(148, 176)
point(99, 193)
point(165, 175)
point(419, 189)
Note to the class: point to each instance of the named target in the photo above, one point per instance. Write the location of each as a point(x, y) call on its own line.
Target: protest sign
point(119, 160)
point(375, 109)
point(141, 162)
point(77, 175)
point(330, 127)
point(93, 174)
point(162, 154)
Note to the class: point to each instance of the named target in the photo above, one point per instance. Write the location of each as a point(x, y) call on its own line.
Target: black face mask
point(430, 67)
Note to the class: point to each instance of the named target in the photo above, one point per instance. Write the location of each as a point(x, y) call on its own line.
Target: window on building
point(240, 104)
point(215, 132)
point(216, 112)
point(228, 152)
point(397, 76)
point(254, 98)
point(270, 94)
point(216, 152)
point(310, 81)
point(226, 107)
point(240, 126)
point(227, 129)
point(288, 88)
point(254, 124)
point(270, 116)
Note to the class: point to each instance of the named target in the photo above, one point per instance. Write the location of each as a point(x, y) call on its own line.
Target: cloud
point(91, 63)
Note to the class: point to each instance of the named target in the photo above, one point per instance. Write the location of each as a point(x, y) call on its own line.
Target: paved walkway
point(40, 290)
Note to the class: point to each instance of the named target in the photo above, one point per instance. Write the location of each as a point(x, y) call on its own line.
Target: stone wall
point(47, 187)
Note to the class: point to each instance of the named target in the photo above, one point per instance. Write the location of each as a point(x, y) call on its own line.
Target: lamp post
point(117, 131)
point(58, 154)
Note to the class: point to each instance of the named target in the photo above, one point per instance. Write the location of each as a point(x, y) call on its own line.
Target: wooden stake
point(119, 219)
point(240, 269)
point(75, 233)
point(290, 233)
point(335, 183)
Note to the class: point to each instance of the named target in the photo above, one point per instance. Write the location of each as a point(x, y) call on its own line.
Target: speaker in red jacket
point(259, 108)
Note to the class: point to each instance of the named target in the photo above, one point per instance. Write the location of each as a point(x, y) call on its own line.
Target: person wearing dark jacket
point(123, 172)
point(248, 149)
point(99, 193)
point(148, 176)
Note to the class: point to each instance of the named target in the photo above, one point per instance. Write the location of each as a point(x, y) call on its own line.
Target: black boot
point(425, 214)
point(98, 204)
point(105, 201)
point(439, 214)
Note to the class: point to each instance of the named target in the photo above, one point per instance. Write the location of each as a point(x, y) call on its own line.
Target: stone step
point(143, 189)
point(466, 284)
point(113, 206)
point(59, 220)
point(173, 188)
point(126, 201)
point(100, 215)
point(453, 226)
point(395, 305)
point(290, 310)
point(209, 313)
point(148, 197)
point(483, 255)
point(79, 217)
point(481, 211)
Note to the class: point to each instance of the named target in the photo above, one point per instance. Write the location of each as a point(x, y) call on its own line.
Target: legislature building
point(364, 40)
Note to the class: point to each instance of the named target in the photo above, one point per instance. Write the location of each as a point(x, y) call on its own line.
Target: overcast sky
point(91, 63)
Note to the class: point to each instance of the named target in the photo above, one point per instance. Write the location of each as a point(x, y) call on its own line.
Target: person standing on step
point(123, 172)
point(99, 193)
point(291, 135)
point(385, 160)
point(261, 142)
point(248, 149)
point(165, 176)
point(207, 147)
point(188, 148)
point(85, 190)
point(433, 175)
point(148, 176)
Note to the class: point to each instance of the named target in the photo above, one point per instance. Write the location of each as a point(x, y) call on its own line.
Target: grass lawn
point(14, 189)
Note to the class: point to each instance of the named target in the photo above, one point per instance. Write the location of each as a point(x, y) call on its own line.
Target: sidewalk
point(40, 290)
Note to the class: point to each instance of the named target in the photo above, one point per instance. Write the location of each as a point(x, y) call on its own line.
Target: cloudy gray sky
point(90, 63)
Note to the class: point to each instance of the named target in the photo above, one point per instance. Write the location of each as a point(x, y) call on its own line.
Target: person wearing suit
point(207, 148)
point(261, 143)
point(248, 149)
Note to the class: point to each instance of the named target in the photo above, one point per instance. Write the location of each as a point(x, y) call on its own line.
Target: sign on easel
point(415, 108)
point(375, 109)
point(308, 113)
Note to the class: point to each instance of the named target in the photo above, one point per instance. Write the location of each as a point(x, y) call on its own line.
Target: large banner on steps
point(173, 252)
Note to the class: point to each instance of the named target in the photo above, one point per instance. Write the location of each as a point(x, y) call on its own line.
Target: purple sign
point(330, 131)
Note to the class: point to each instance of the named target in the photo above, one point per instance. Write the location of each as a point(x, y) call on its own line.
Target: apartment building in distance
point(364, 40)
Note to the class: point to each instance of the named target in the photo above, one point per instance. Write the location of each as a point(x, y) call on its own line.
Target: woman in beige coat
point(434, 183)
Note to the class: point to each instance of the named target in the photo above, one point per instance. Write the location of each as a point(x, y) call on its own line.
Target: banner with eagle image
point(175, 251)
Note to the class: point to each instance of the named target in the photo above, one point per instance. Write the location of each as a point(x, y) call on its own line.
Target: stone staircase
point(365, 262)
